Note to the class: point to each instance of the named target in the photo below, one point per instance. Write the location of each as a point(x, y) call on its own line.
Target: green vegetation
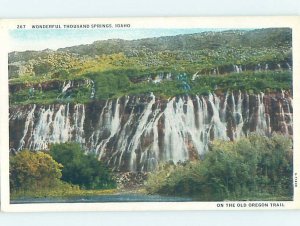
point(251, 168)
point(247, 81)
point(120, 67)
point(50, 92)
point(29, 170)
point(81, 169)
point(113, 85)
point(37, 174)
point(65, 190)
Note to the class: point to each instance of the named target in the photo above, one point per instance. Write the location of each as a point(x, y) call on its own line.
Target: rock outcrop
point(136, 133)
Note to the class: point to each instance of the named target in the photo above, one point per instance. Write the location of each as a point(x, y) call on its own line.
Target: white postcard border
point(155, 22)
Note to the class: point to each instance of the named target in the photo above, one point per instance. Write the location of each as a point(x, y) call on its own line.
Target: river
point(103, 198)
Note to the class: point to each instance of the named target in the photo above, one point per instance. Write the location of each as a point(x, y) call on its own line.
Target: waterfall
point(286, 114)
point(94, 138)
point(203, 125)
point(289, 102)
point(133, 145)
point(219, 127)
point(42, 129)
point(93, 91)
point(137, 133)
point(78, 127)
point(261, 126)
point(155, 146)
point(53, 126)
point(223, 112)
point(122, 142)
point(66, 86)
point(175, 132)
point(28, 122)
point(283, 121)
point(61, 125)
point(238, 116)
point(113, 127)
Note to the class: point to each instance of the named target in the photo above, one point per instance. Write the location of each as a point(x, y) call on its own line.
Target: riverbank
point(136, 194)
point(60, 193)
point(94, 196)
point(127, 183)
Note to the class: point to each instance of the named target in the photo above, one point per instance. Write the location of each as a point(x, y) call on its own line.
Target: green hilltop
point(198, 63)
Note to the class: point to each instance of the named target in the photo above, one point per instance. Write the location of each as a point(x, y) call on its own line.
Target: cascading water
point(219, 127)
point(66, 86)
point(237, 116)
point(133, 145)
point(113, 127)
point(79, 117)
point(53, 126)
point(137, 133)
point(28, 122)
point(42, 130)
point(261, 126)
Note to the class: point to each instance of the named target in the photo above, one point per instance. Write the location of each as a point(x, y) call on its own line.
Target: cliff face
point(135, 133)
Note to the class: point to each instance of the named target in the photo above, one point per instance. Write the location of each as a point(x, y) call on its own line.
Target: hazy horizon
point(53, 39)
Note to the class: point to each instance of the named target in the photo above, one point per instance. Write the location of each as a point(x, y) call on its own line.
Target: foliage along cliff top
point(167, 66)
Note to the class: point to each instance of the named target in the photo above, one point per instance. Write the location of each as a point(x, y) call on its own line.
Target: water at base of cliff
point(103, 199)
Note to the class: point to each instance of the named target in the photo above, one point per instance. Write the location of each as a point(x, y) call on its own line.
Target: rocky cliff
point(135, 133)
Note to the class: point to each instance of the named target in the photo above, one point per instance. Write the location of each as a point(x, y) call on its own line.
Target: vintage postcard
point(130, 114)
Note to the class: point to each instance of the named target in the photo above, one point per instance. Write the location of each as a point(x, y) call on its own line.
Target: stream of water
point(103, 198)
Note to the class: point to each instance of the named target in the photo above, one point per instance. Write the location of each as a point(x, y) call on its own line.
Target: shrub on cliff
point(80, 168)
point(33, 170)
point(245, 169)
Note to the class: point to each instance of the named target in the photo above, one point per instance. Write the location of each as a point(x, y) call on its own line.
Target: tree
point(80, 168)
point(33, 170)
point(252, 167)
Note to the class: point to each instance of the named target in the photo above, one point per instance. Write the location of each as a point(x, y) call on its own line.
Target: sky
point(40, 39)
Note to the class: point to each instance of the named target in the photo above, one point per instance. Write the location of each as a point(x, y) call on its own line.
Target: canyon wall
point(136, 133)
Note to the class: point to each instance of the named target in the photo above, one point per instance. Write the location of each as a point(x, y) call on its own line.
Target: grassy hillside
point(237, 59)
